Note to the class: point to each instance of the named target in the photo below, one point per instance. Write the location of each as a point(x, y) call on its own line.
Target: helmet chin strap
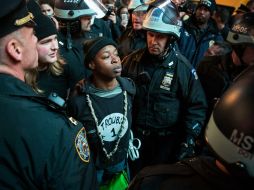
point(69, 40)
point(163, 55)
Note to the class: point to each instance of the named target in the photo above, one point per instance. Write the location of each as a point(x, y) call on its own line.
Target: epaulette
point(53, 101)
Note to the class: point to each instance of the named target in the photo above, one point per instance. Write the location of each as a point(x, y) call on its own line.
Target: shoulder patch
point(82, 146)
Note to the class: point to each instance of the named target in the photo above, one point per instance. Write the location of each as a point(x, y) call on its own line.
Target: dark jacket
point(171, 97)
point(199, 173)
point(216, 74)
point(40, 148)
point(194, 42)
point(74, 57)
point(60, 84)
point(130, 41)
point(98, 29)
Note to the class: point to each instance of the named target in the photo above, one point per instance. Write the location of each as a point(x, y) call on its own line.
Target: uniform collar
point(11, 85)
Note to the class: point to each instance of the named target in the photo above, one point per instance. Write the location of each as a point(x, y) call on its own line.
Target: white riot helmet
point(72, 10)
point(230, 131)
point(135, 3)
point(163, 17)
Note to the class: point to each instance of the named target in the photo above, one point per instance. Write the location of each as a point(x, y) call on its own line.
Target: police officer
point(170, 105)
point(230, 136)
point(39, 147)
point(218, 72)
point(69, 15)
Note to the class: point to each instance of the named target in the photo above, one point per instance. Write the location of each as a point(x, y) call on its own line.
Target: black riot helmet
point(241, 35)
point(230, 131)
point(242, 30)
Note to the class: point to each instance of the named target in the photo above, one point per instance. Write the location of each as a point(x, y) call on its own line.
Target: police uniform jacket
point(194, 42)
point(74, 58)
point(109, 112)
point(171, 97)
point(39, 147)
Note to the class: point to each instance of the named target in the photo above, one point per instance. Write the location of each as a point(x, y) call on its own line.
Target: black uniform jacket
point(40, 148)
point(200, 173)
point(171, 96)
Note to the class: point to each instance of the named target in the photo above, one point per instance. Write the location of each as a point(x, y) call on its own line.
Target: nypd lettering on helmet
point(240, 29)
point(111, 125)
point(246, 142)
point(81, 145)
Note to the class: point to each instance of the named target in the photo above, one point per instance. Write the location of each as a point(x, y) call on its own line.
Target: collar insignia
point(73, 121)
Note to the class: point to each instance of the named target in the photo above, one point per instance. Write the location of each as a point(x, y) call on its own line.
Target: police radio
point(55, 101)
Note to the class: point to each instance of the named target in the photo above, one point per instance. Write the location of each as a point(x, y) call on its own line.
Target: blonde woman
point(54, 75)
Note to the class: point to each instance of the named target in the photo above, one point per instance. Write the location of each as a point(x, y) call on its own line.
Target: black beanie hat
point(91, 48)
point(45, 27)
point(209, 4)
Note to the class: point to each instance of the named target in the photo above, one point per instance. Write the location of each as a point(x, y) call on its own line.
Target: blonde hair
point(31, 80)
point(57, 68)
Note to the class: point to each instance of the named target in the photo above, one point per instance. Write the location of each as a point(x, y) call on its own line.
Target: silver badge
point(166, 82)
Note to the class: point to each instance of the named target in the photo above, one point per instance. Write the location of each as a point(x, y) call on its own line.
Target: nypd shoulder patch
point(82, 146)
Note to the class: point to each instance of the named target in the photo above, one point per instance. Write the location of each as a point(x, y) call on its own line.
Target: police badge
point(167, 80)
point(81, 145)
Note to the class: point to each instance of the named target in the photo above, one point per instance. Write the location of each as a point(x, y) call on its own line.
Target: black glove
point(187, 149)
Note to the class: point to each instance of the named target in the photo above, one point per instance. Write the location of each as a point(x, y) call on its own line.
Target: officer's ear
point(14, 49)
